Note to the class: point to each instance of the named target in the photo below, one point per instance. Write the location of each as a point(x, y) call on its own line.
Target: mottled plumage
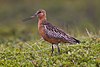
point(51, 33)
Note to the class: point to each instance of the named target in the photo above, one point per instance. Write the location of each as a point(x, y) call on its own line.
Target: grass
point(38, 54)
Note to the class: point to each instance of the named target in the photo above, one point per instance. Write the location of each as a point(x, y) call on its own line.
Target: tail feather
point(72, 40)
point(77, 41)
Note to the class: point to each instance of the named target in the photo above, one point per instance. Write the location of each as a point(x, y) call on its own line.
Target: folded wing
point(54, 32)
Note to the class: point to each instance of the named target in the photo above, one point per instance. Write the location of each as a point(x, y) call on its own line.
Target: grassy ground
point(38, 54)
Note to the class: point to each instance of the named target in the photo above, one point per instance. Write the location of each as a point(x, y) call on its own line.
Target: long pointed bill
point(29, 18)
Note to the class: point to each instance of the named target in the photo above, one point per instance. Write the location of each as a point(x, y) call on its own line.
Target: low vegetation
point(38, 54)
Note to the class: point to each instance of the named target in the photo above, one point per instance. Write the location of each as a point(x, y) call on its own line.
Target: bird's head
point(41, 14)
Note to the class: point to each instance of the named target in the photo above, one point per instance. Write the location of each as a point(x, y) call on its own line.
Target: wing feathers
point(54, 32)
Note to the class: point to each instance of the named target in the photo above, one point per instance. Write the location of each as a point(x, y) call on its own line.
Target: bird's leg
point(58, 48)
point(52, 49)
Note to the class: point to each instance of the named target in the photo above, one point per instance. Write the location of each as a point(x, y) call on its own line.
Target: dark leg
point(58, 49)
point(52, 49)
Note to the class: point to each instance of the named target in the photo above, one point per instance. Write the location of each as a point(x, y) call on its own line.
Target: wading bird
point(51, 33)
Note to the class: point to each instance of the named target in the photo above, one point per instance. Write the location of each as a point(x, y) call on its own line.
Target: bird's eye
point(39, 12)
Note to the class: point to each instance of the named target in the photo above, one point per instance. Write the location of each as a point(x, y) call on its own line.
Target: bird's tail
point(73, 40)
point(76, 41)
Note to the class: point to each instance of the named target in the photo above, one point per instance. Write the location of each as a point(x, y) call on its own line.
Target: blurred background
point(73, 16)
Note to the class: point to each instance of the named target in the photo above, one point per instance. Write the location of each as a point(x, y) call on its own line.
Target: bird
point(51, 33)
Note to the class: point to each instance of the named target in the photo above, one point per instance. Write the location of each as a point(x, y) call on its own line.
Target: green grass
point(38, 54)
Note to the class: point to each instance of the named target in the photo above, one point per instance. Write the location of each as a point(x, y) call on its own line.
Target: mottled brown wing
point(54, 32)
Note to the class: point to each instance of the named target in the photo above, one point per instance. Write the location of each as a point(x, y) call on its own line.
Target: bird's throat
point(42, 18)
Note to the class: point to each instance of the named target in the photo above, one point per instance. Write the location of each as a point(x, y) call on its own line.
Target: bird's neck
point(41, 20)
